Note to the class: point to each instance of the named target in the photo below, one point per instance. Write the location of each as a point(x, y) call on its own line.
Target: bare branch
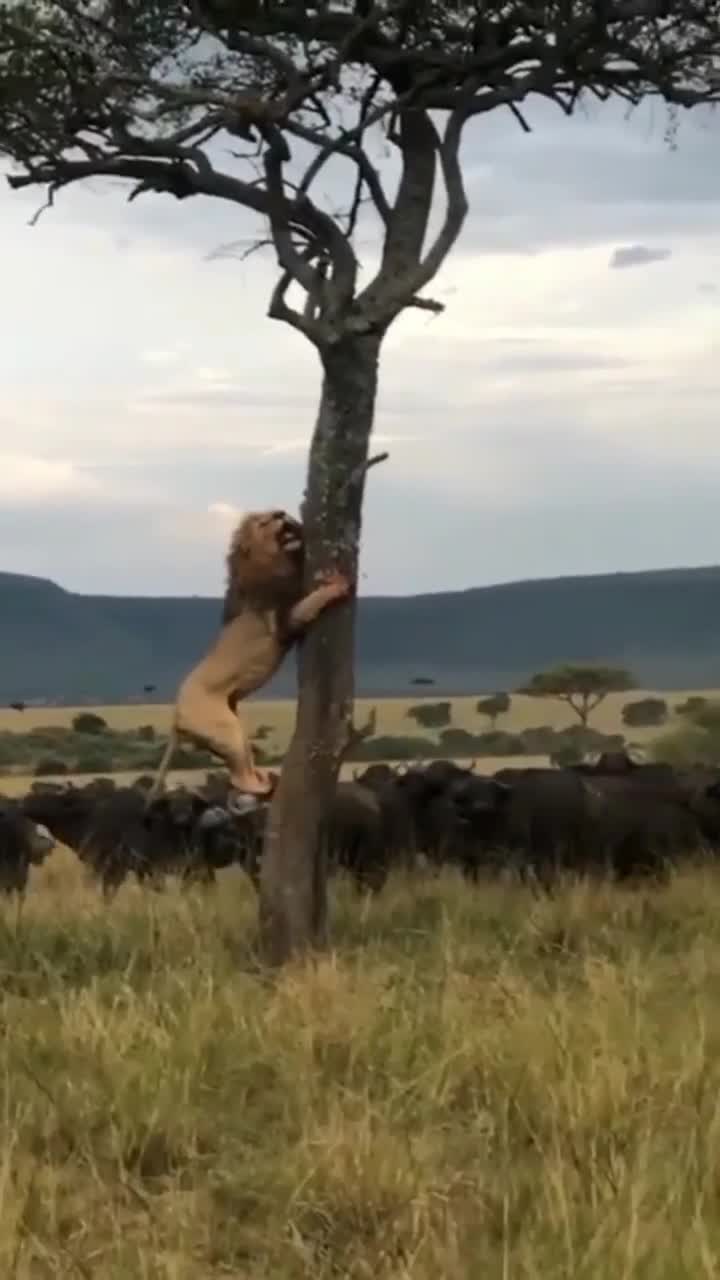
point(360, 733)
point(276, 154)
point(427, 304)
point(357, 474)
point(279, 310)
point(344, 147)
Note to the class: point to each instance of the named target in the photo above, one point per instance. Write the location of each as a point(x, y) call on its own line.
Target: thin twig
point(358, 472)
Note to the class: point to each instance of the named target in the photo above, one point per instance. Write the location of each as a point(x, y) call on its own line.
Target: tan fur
point(264, 613)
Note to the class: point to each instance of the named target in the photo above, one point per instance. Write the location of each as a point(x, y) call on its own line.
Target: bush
point(48, 766)
point(497, 743)
point(431, 715)
point(94, 762)
point(458, 742)
point(538, 740)
point(565, 756)
point(645, 712)
point(690, 705)
point(686, 746)
point(707, 716)
point(584, 740)
point(89, 722)
point(263, 731)
point(146, 733)
point(191, 758)
point(389, 748)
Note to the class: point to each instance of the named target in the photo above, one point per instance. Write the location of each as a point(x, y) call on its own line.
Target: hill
point(664, 625)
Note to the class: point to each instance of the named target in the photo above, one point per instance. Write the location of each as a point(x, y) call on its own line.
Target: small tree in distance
point(582, 687)
point(496, 705)
point(258, 102)
point(431, 715)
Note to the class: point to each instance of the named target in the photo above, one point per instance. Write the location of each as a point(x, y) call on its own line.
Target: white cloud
point(159, 357)
point(24, 478)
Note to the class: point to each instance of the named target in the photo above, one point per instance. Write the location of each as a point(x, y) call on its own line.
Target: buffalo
point(23, 843)
point(116, 832)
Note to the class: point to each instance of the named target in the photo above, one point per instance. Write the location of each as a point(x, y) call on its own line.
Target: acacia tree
point(148, 90)
point(582, 687)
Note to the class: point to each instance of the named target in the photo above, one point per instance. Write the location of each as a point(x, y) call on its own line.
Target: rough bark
point(293, 891)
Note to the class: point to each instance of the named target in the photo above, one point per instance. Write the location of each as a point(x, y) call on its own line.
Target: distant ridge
point(663, 623)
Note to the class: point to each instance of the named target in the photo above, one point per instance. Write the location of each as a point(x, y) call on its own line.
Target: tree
point(165, 94)
point(644, 713)
point(497, 704)
point(431, 715)
point(583, 688)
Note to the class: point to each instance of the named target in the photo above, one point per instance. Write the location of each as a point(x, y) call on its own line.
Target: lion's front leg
point(334, 586)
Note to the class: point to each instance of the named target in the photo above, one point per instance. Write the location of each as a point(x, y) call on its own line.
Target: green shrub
point(89, 722)
point(391, 748)
point(539, 740)
point(690, 705)
point(458, 742)
point(498, 743)
point(645, 712)
point(48, 766)
point(94, 762)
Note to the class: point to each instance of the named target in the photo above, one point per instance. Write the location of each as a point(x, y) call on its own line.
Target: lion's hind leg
point(210, 720)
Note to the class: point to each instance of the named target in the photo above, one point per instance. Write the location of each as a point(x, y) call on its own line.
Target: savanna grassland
point(471, 1084)
point(275, 721)
point(392, 714)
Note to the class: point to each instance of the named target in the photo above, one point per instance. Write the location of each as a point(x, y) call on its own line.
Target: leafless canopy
point(249, 101)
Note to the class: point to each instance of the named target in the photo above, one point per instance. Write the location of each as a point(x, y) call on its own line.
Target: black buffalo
point(23, 843)
point(547, 820)
point(116, 832)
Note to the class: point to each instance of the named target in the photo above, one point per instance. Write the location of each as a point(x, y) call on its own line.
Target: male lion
point(264, 613)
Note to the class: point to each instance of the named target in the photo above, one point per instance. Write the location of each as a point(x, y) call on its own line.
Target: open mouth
point(290, 535)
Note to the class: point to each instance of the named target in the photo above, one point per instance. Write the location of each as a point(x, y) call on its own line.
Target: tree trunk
point(293, 892)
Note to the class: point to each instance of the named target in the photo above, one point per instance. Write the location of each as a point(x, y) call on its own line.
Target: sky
point(559, 417)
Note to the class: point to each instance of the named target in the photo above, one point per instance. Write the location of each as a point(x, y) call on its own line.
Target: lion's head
point(266, 554)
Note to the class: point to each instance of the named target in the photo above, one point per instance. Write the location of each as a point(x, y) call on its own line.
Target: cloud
point(159, 357)
point(638, 255)
point(25, 478)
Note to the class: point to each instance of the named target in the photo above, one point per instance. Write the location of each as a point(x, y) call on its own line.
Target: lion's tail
point(163, 767)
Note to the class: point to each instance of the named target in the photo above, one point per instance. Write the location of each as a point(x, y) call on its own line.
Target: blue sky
point(559, 417)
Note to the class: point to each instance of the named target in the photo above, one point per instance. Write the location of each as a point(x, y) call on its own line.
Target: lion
point(264, 614)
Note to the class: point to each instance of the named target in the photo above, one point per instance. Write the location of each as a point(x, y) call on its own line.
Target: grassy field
point(473, 1084)
point(392, 717)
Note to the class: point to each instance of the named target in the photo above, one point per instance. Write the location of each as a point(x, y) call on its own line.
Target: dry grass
point(474, 1084)
point(392, 715)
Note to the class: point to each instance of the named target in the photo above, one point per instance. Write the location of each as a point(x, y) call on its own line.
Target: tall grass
point(474, 1083)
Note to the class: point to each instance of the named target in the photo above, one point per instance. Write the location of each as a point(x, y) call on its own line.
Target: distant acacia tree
point(582, 687)
point(256, 102)
point(494, 706)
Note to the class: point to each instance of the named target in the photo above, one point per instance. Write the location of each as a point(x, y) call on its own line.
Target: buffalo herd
point(613, 818)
